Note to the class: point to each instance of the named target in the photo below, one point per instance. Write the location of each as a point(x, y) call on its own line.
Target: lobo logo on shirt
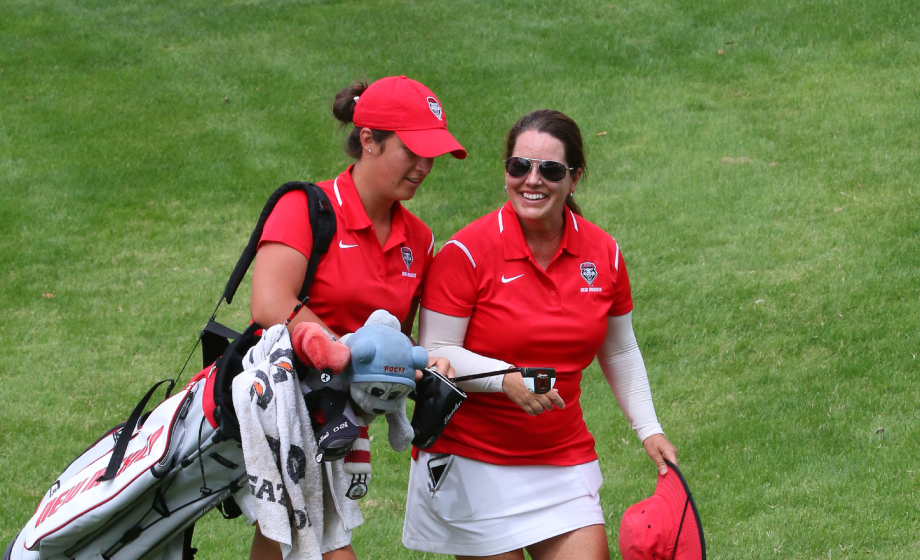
point(589, 273)
point(407, 258)
point(435, 107)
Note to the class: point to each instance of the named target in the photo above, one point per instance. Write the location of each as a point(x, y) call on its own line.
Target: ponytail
point(573, 206)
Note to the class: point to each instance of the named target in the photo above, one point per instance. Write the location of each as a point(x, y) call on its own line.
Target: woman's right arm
point(276, 282)
point(443, 336)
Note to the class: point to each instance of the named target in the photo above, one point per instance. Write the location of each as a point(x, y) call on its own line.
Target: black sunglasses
point(550, 170)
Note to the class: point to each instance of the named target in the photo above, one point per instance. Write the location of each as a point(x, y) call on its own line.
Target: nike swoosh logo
point(342, 245)
point(506, 280)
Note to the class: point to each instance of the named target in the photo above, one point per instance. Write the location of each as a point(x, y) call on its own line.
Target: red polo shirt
point(526, 316)
point(356, 276)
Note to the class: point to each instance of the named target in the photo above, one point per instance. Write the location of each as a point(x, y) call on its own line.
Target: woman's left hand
point(659, 448)
point(443, 366)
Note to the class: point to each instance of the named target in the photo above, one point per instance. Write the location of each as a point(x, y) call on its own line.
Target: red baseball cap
point(410, 110)
point(665, 526)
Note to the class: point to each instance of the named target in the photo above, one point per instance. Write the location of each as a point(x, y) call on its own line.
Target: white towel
point(289, 511)
point(279, 447)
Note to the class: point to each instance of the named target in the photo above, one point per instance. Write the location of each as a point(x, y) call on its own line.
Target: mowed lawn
point(757, 162)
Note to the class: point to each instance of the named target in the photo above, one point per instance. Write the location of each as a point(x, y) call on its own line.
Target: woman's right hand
point(531, 403)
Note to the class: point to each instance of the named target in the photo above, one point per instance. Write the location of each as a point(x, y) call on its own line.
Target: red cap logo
point(412, 111)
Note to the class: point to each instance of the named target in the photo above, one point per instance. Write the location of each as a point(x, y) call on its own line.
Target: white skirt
point(464, 507)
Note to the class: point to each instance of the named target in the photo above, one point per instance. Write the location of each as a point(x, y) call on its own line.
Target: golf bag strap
point(322, 222)
point(118, 453)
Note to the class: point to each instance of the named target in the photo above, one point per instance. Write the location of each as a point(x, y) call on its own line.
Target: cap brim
point(433, 142)
point(690, 542)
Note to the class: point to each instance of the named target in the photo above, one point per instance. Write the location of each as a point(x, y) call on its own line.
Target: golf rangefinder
point(541, 378)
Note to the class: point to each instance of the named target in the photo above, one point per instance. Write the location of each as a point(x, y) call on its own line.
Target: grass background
point(758, 169)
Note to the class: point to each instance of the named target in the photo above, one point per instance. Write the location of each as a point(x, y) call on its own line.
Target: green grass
point(758, 169)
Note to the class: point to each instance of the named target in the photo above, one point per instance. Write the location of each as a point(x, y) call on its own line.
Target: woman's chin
point(541, 211)
point(407, 190)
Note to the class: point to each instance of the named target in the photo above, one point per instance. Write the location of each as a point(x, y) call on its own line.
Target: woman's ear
point(575, 178)
point(367, 141)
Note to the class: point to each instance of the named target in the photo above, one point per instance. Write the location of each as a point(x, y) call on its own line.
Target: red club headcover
point(315, 347)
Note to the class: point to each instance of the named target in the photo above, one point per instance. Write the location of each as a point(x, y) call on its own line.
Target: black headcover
point(334, 438)
point(436, 401)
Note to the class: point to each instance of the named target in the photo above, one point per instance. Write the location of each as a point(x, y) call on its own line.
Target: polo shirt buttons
point(552, 293)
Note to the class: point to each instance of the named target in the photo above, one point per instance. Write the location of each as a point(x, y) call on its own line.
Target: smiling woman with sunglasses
point(530, 284)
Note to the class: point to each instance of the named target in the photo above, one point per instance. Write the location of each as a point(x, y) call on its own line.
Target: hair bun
point(343, 107)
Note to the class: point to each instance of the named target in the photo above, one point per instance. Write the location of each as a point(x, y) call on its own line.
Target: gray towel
point(278, 448)
point(289, 501)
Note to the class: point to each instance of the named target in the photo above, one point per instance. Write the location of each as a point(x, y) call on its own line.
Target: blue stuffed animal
point(382, 374)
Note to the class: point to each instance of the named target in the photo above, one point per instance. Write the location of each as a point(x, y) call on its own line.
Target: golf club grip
point(486, 374)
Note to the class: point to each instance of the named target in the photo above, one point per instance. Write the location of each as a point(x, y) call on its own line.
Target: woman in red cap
point(530, 284)
point(380, 251)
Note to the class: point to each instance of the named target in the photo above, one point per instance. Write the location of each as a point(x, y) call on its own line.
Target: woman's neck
point(379, 208)
point(543, 238)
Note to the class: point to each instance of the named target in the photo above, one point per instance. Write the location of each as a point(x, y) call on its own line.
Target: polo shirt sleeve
point(622, 296)
point(289, 223)
point(451, 284)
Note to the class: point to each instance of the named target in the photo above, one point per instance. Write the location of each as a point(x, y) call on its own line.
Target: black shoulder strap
point(215, 337)
point(322, 222)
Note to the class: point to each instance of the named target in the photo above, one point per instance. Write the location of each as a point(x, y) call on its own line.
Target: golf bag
point(170, 471)
point(138, 490)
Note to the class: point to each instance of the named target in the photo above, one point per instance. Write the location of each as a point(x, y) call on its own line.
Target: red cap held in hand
point(412, 111)
point(665, 526)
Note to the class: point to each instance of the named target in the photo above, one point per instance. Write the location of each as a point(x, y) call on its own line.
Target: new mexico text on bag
point(176, 468)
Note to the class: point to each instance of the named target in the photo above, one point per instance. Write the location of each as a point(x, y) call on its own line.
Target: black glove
point(436, 401)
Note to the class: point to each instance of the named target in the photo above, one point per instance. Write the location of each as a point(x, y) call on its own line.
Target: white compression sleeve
point(443, 335)
point(623, 367)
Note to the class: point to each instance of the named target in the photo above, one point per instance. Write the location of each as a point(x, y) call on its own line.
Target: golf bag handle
point(127, 431)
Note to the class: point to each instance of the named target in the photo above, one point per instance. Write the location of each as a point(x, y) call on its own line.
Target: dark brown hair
point(560, 127)
point(343, 108)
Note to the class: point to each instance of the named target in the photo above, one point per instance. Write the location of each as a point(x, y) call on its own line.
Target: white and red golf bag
point(139, 497)
point(175, 467)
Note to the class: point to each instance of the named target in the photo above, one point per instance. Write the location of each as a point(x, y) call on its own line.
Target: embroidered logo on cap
point(435, 107)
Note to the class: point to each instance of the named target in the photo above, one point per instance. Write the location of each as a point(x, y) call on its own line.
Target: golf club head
point(539, 380)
